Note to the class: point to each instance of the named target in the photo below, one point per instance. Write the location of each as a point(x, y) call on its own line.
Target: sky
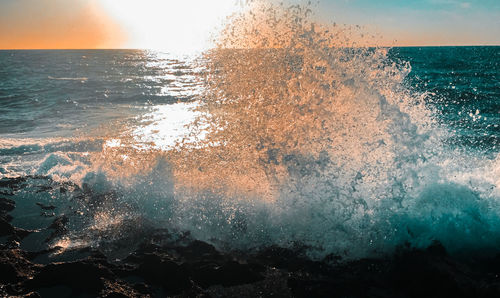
point(57, 24)
point(421, 22)
point(186, 24)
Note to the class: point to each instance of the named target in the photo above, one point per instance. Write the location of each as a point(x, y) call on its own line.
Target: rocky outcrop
point(171, 265)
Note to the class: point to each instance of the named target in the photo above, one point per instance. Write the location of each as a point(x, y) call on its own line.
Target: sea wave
point(83, 79)
point(297, 136)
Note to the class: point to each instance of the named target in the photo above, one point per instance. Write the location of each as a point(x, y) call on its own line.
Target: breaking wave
point(299, 137)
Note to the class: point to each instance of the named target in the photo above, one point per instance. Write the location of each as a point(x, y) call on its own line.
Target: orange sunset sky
point(55, 24)
point(167, 24)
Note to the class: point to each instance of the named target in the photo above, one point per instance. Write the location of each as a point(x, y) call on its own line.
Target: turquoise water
point(461, 81)
point(66, 93)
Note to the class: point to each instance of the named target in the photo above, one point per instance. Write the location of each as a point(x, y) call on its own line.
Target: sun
point(182, 26)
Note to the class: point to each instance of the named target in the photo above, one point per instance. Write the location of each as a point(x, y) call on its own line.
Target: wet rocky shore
point(164, 265)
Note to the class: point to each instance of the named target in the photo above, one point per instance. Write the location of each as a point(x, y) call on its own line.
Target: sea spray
point(312, 140)
point(296, 137)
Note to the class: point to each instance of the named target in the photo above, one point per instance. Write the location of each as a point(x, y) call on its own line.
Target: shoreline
point(166, 265)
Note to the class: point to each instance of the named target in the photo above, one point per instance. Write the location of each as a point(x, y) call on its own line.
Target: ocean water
point(344, 151)
point(461, 81)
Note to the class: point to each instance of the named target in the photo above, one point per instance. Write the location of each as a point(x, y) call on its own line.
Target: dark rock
point(195, 291)
point(437, 249)
point(98, 255)
point(118, 289)
point(198, 250)
point(7, 205)
point(410, 273)
point(14, 266)
point(8, 273)
point(43, 188)
point(163, 271)
point(142, 288)
point(147, 247)
point(13, 242)
point(82, 275)
point(22, 233)
point(31, 255)
point(5, 228)
point(59, 227)
point(431, 273)
point(288, 259)
point(68, 187)
point(12, 183)
point(314, 288)
point(274, 285)
point(228, 274)
point(6, 193)
point(116, 295)
point(45, 207)
point(332, 259)
point(6, 217)
point(167, 264)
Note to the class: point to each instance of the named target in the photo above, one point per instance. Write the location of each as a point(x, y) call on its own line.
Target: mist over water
point(285, 134)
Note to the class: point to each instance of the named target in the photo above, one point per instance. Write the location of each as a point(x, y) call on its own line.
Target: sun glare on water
point(175, 26)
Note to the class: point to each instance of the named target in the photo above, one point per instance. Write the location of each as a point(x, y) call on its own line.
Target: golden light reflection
point(166, 125)
point(64, 244)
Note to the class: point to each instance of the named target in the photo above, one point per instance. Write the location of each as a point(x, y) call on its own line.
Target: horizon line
point(373, 46)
